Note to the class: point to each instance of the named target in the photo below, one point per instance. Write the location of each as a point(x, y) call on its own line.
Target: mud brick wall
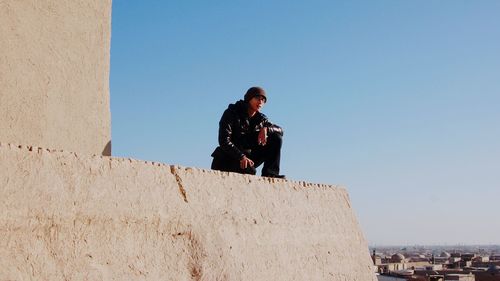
point(65, 216)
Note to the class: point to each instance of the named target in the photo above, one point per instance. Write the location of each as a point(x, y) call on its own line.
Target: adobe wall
point(54, 74)
point(64, 216)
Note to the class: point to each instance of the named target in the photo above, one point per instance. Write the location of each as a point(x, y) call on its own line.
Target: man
point(247, 138)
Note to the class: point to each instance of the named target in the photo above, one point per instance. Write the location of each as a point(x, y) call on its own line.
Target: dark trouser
point(268, 154)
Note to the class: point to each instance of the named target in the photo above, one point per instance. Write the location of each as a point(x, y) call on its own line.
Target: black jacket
point(239, 132)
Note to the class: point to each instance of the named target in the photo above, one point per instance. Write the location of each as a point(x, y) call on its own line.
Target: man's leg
point(223, 162)
point(270, 155)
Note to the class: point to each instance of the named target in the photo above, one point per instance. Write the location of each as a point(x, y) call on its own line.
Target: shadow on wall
point(107, 149)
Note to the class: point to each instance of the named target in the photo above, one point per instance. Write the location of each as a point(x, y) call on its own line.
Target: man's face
point(257, 102)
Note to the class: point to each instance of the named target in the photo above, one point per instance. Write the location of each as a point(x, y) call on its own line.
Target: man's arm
point(225, 133)
point(271, 127)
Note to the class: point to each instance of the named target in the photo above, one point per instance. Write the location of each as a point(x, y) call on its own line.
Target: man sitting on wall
point(247, 138)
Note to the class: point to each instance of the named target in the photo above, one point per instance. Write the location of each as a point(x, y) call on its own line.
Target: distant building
point(461, 277)
point(491, 274)
point(480, 259)
point(434, 267)
point(441, 260)
point(389, 278)
point(398, 258)
point(468, 256)
point(377, 260)
point(495, 257)
point(418, 258)
point(397, 264)
point(445, 255)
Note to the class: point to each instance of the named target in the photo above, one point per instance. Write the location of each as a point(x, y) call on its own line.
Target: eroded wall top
point(54, 74)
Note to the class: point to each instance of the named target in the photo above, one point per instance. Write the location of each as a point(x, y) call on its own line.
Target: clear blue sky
point(399, 101)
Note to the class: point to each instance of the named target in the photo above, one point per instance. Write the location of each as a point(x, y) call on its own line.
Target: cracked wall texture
point(54, 74)
point(64, 216)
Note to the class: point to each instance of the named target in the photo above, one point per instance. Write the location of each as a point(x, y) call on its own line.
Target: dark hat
point(254, 92)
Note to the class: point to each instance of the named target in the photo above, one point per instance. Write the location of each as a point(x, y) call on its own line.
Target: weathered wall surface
point(54, 74)
point(69, 217)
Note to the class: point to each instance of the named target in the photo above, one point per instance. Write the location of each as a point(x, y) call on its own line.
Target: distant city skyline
point(446, 248)
point(419, 263)
point(398, 101)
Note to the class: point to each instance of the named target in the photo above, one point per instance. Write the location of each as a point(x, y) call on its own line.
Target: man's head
point(255, 92)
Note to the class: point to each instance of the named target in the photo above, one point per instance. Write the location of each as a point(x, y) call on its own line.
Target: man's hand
point(262, 138)
point(246, 162)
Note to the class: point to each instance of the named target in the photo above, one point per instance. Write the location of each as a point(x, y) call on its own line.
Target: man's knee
point(218, 164)
point(276, 138)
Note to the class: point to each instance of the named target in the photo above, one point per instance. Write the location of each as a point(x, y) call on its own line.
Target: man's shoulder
point(231, 112)
point(236, 108)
